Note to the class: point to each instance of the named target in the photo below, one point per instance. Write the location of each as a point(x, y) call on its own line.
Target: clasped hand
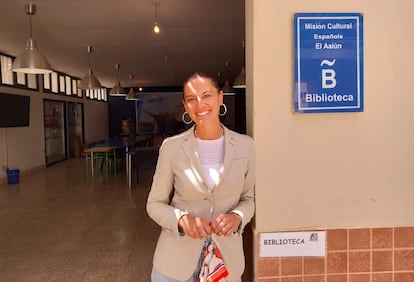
point(197, 227)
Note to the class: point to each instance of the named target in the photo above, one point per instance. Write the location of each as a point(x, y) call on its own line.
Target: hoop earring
point(225, 110)
point(184, 120)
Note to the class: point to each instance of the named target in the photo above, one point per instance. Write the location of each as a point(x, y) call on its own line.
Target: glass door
point(75, 129)
point(54, 123)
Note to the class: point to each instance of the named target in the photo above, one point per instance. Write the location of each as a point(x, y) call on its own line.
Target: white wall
point(26, 146)
point(338, 169)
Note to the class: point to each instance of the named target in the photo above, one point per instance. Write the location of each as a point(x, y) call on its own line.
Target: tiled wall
point(353, 255)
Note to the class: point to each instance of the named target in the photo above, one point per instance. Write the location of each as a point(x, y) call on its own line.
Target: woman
point(202, 190)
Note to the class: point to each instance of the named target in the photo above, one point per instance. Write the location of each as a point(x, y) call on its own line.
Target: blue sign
point(328, 62)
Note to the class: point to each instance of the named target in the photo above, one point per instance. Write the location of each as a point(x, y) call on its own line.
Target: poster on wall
point(328, 62)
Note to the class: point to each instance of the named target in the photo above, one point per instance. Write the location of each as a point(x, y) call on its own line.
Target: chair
point(145, 158)
point(101, 156)
point(93, 144)
point(119, 156)
point(145, 154)
point(96, 156)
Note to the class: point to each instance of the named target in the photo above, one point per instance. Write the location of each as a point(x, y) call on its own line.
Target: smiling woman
point(210, 172)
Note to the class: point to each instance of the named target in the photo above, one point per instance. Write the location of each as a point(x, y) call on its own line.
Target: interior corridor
point(56, 227)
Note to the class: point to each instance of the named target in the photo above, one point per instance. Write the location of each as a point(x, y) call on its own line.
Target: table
point(107, 151)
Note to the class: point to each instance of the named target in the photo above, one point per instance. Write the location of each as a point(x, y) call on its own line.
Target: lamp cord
point(89, 56)
point(6, 148)
point(244, 53)
point(30, 10)
point(30, 25)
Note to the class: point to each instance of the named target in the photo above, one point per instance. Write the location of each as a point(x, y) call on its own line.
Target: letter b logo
point(328, 78)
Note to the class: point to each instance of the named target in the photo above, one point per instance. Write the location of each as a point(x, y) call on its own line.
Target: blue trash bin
point(13, 176)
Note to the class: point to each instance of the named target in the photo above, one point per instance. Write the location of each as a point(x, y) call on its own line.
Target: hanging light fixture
point(227, 89)
point(132, 95)
point(240, 81)
point(90, 81)
point(156, 27)
point(31, 60)
point(117, 90)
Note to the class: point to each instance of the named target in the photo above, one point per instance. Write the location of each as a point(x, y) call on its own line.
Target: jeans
point(158, 277)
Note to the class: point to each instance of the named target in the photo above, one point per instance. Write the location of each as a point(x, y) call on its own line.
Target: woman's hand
point(195, 227)
point(226, 224)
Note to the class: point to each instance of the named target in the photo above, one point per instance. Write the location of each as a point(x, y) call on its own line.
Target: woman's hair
point(205, 76)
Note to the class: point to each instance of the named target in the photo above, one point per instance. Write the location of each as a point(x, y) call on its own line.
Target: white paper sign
point(293, 244)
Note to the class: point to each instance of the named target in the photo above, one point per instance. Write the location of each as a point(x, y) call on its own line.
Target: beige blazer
point(179, 187)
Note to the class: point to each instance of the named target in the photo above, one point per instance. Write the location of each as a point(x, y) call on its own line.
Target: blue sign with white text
point(328, 62)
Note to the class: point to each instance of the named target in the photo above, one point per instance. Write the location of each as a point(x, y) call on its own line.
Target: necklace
point(221, 134)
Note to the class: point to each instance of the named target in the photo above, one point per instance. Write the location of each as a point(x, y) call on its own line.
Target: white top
point(211, 155)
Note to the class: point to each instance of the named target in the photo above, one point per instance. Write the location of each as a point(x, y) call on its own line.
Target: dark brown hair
point(203, 75)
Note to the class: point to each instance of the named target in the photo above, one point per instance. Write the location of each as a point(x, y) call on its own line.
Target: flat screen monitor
point(14, 110)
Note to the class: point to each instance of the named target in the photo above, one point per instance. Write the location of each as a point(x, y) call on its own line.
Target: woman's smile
point(203, 113)
point(202, 117)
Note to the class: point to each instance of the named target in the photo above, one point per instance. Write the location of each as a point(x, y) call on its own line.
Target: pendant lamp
point(240, 81)
point(227, 89)
point(132, 95)
point(156, 27)
point(31, 60)
point(117, 90)
point(90, 81)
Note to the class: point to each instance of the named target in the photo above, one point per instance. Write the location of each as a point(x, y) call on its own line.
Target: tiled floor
point(55, 227)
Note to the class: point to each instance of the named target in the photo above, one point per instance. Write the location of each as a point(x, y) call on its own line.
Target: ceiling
point(196, 35)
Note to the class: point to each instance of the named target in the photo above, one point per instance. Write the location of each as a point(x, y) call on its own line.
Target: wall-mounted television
point(14, 110)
